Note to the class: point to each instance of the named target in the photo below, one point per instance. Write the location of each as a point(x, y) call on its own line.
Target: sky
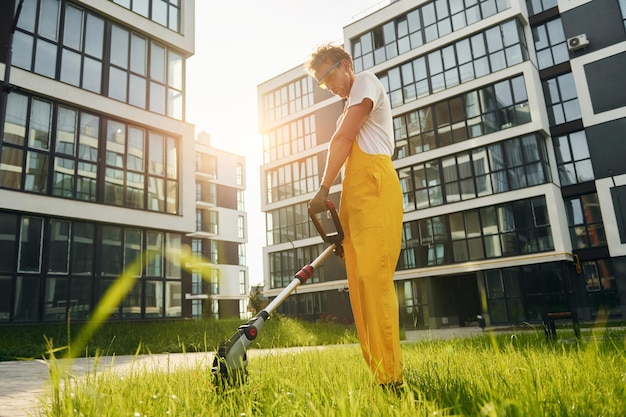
point(239, 45)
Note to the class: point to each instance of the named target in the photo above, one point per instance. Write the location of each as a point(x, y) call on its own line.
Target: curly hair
point(326, 54)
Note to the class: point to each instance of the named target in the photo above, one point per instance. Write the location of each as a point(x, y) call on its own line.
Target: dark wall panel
point(607, 146)
point(607, 82)
point(6, 22)
point(619, 205)
point(600, 20)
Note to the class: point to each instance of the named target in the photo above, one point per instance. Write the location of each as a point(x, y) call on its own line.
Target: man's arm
point(344, 136)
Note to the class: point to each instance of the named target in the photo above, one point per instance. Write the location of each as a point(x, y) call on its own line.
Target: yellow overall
point(371, 217)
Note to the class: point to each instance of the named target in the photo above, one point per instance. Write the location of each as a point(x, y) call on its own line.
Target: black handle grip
point(332, 237)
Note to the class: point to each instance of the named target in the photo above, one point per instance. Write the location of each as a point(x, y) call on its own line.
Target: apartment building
point(509, 127)
point(96, 172)
point(219, 274)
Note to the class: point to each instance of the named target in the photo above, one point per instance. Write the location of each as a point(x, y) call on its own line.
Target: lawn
point(496, 374)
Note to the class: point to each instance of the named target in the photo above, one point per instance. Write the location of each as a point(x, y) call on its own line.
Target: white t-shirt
point(376, 135)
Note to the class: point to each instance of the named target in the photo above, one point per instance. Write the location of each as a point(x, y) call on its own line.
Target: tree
point(256, 301)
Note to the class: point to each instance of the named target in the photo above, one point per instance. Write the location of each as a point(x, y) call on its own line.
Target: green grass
point(115, 338)
point(492, 375)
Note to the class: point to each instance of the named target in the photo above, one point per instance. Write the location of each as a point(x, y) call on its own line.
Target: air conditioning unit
point(577, 42)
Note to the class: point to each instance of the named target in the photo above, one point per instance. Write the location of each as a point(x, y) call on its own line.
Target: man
point(370, 206)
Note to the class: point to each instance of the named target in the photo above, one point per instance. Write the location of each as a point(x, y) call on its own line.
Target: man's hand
point(318, 203)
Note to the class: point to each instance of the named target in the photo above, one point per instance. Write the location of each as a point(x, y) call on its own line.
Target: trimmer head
point(230, 364)
point(223, 377)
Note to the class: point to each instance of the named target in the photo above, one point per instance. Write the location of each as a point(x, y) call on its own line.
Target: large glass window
point(31, 242)
point(284, 264)
point(76, 155)
point(492, 108)
point(83, 239)
point(561, 99)
point(550, 43)
point(573, 158)
point(59, 247)
point(508, 229)
point(288, 99)
point(503, 166)
point(82, 49)
point(585, 221)
point(299, 177)
point(164, 12)
point(141, 166)
point(5, 298)
point(421, 25)
point(288, 224)
point(290, 139)
point(496, 48)
point(538, 6)
point(601, 286)
point(59, 255)
point(142, 73)
point(26, 307)
point(8, 241)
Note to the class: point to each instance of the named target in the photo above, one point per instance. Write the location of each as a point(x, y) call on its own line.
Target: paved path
point(25, 384)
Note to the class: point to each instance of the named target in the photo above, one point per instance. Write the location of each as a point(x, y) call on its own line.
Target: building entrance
point(456, 300)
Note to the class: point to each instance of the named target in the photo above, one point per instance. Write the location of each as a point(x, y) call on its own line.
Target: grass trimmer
point(230, 362)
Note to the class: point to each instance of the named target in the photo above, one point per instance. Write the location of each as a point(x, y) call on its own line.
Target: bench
point(549, 325)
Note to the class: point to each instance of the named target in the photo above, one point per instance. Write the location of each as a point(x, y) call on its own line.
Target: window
point(82, 49)
point(504, 295)
point(58, 255)
point(164, 12)
point(288, 99)
point(76, 155)
point(139, 173)
point(509, 229)
point(492, 108)
point(484, 53)
point(30, 244)
point(8, 241)
point(62, 41)
point(239, 174)
point(241, 227)
point(538, 6)
point(294, 179)
point(573, 159)
point(288, 224)
point(155, 254)
point(550, 43)
point(601, 286)
point(241, 202)
point(423, 24)
point(206, 164)
point(290, 139)
point(59, 247)
point(585, 221)
point(284, 264)
point(503, 166)
point(214, 281)
point(243, 286)
point(241, 254)
point(561, 99)
point(83, 244)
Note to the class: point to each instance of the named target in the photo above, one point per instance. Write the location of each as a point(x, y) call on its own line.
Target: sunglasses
point(327, 76)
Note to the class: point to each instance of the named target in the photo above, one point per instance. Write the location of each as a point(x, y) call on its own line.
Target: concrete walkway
point(24, 385)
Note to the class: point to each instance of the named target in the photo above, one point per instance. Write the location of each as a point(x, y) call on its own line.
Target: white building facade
point(96, 172)
point(220, 277)
point(509, 124)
